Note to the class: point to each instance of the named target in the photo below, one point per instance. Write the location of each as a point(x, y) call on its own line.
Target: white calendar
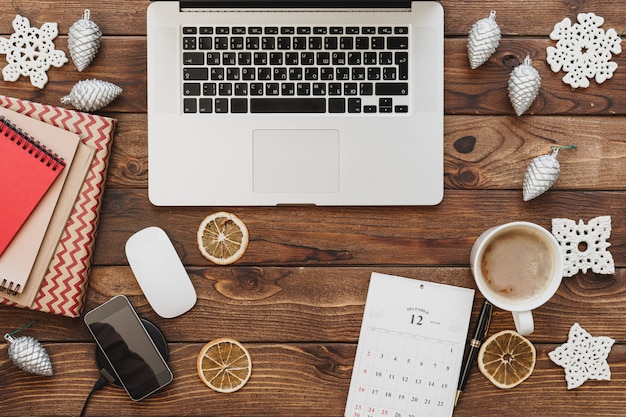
point(410, 349)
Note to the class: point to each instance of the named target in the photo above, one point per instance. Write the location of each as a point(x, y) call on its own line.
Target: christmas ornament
point(583, 50)
point(483, 40)
point(91, 95)
point(83, 41)
point(584, 246)
point(583, 357)
point(542, 172)
point(524, 84)
point(27, 354)
point(30, 52)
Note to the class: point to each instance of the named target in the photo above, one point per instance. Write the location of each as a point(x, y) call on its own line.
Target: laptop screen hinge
point(308, 4)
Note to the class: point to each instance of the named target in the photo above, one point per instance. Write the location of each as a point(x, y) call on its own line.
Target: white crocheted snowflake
point(583, 357)
point(584, 246)
point(583, 50)
point(30, 52)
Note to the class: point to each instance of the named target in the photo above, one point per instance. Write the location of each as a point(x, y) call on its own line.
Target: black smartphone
point(123, 339)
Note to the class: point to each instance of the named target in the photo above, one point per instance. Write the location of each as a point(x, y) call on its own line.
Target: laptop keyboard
point(293, 69)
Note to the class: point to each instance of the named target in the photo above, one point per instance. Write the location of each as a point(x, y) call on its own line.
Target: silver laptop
point(327, 102)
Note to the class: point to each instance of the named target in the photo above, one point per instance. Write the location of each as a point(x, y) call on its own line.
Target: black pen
point(482, 325)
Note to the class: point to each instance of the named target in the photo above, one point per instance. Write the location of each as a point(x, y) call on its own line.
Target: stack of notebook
point(53, 164)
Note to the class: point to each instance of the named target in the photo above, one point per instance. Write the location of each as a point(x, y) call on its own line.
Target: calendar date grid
point(404, 375)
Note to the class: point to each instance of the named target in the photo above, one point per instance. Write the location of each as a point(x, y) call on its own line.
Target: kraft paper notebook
point(17, 261)
point(64, 285)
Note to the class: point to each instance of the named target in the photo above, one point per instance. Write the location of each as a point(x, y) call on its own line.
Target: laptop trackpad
point(296, 161)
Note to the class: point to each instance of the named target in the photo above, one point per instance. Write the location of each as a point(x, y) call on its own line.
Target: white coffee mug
point(518, 267)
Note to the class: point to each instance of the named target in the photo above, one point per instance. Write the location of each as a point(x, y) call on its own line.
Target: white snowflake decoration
point(584, 246)
point(583, 357)
point(30, 52)
point(583, 50)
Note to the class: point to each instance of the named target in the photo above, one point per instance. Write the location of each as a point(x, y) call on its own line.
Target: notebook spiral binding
point(32, 146)
point(9, 287)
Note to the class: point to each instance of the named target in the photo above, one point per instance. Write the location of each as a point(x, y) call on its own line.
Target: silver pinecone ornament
point(83, 41)
point(542, 172)
point(28, 355)
point(524, 84)
point(484, 38)
point(91, 95)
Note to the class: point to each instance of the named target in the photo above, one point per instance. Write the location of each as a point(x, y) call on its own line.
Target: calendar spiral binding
point(9, 287)
point(30, 145)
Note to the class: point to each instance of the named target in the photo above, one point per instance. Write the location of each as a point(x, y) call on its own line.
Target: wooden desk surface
point(296, 298)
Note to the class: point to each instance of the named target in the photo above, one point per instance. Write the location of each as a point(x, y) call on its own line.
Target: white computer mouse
point(160, 272)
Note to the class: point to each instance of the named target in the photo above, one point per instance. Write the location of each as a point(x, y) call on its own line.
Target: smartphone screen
point(118, 331)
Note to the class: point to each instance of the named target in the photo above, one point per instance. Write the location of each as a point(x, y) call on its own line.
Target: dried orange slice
point(507, 358)
point(224, 365)
point(222, 238)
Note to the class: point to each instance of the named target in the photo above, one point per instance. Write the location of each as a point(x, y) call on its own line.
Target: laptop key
point(205, 43)
point(401, 109)
point(336, 105)
point(191, 74)
point(287, 105)
point(221, 42)
point(399, 42)
point(206, 105)
point(193, 58)
point(190, 105)
point(213, 58)
point(239, 105)
point(369, 109)
point(221, 105)
point(392, 89)
point(191, 89)
point(402, 61)
point(253, 42)
point(354, 105)
point(189, 43)
point(209, 89)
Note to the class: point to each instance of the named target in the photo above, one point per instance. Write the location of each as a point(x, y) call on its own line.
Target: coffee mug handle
point(524, 322)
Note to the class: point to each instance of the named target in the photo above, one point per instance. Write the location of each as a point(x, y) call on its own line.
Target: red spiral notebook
point(27, 170)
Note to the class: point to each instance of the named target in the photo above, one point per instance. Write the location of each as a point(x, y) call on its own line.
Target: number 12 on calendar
point(410, 348)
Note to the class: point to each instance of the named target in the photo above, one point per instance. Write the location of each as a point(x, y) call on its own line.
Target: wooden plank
point(300, 236)
point(120, 60)
point(263, 304)
point(484, 90)
point(113, 17)
point(288, 380)
point(528, 18)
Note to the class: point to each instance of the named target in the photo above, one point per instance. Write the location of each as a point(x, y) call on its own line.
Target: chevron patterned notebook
point(65, 284)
